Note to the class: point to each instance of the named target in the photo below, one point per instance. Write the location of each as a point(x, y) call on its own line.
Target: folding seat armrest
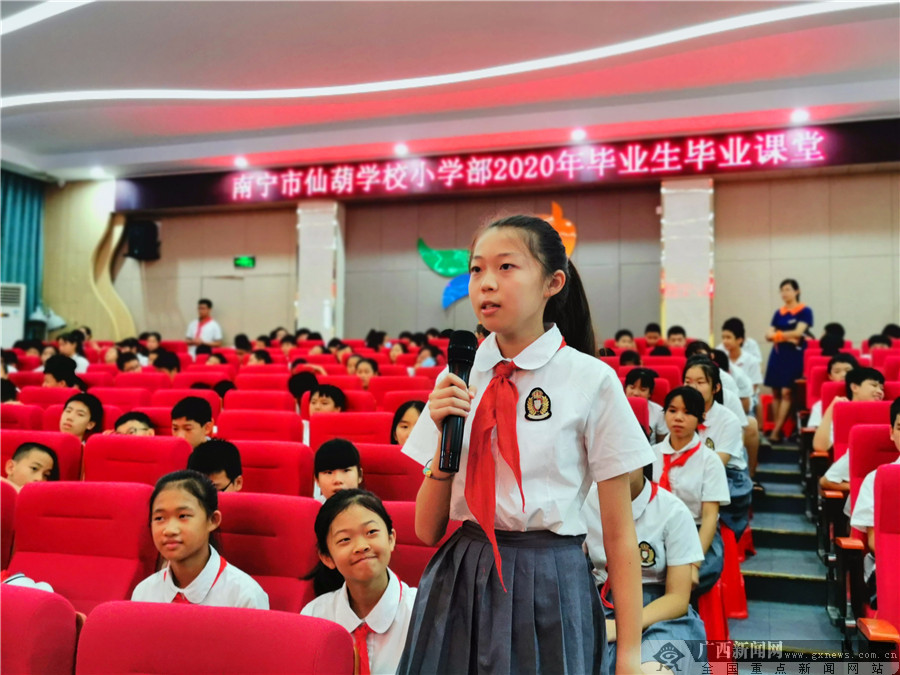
point(803, 416)
point(881, 632)
point(800, 393)
point(831, 522)
point(852, 585)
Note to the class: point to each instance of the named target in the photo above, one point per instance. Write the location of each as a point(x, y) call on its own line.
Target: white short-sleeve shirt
point(815, 415)
point(666, 533)
point(211, 331)
point(732, 401)
point(700, 479)
point(863, 516)
point(585, 433)
point(657, 420)
point(232, 588)
point(389, 620)
point(749, 365)
point(81, 364)
point(744, 386)
point(723, 430)
point(839, 471)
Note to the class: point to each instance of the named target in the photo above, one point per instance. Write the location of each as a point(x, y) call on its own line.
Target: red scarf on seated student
point(200, 324)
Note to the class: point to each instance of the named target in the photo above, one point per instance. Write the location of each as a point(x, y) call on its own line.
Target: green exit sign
point(245, 261)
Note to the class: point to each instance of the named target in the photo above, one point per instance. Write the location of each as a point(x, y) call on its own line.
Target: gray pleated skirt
point(736, 515)
point(549, 621)
point(712, 565)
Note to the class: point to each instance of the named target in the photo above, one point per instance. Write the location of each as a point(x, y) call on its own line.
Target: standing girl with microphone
point(511, 590)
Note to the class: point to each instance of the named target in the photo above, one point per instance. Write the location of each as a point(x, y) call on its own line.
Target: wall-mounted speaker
point(143, 239)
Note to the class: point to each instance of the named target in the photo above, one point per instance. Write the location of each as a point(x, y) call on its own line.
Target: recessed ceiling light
point(799, 116)
point(578, 135)
point(401, 150)
point(98, 172)
point(241, 162)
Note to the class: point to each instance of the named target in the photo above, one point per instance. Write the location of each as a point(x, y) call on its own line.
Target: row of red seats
point(885, 360)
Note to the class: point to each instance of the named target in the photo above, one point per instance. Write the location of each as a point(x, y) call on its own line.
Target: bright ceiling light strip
point(33, 15)
point(667, 38)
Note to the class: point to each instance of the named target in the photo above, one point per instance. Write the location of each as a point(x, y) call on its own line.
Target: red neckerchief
point(200, 325)
point(360, 646)
point(179, 597)
point(669, 463)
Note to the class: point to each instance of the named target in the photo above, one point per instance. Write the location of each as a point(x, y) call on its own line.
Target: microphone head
point(462, 347)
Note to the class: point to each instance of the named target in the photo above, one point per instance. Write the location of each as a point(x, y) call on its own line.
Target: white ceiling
point(841, 66)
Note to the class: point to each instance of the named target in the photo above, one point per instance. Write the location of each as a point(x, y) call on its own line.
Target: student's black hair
point(481, 330)
point(879, 339)
point(129, 343)
point(340, 501)
point(660, 350)
point(859, 375)
point(197, 485)
point(434, 350)
point(262, 355)
point(264, 339)
point(842, 358)
point(167, 360)
point(419, 339)
point(203, 349)
point(693, 401)
point(29, 446)
point(124, 358)
point(8, 391)
point(62, 369)
point(222, 387)
point(895, 410)
point(216, 455)
point(652, 327)
point(711, 371)
point(332, 392)
point(289, 340)
point(153, 333)
point(793, 284)
point(219, 356)
point(95, 409)
point(274, 332)
point(720, 358)
point(143, 336)
point(242, 342)
point(697, 347)
point(569, 308)
point(736, 327)
point(338, 453)
point(892, 330)
point(400, 412)
point(205, 301)
point(834, 328)
point(606, 351)
point(88, 333)
point(629, 358)
point(676, 330)
point(404, 335)
point(10, 358)
point(314, 336)
point(134, 416)
point(75, 337)
point(371, 362)
point(446, 333)
point(375, 338)
point(200, 385)
point(301, 331)
point(300, 383)
point(193, 409)
point(831, 344)
point(645, 376)
point(402, 346)
point(623, 332)
point(433, 332)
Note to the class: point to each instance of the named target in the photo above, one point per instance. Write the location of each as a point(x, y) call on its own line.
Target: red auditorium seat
point(315, 359)
point(848, 414)
point(661, 389)
point(177, 346)
point(227, 372)
point(408, 359)
point(391, 370)
point(28, 362)
point(89, 541)
point(13, 416)
point(39, 632)
point(389, 473)
point(670, 373)
point(880, 356)
point(410, 555)
point(185, 380)
point(891, 390)
point(66, 446)
point(237, 399)
point(160, 417)
point(98, 379)
point(124, 398)
point(133, 459)
point(654, 362)
point(103, 368)
point(260, 425)
point(828, 391)
point(372, 427)
point(125, 637)
point(167, 398)
point(892, 368)
point(151, 381)
point(817, 377)
point(269, 381)
point(28, 378)
point(872, 447)
point(394, 399)
point(270, 537)
point(306, 345)
point(380, 385)
point(8, 496)
point(342, 382)
point(357, 401)
point(46, 396)
point(276, 467)
point(264, 369)
point(52, 414)
point(430, 373)
point(641, 411)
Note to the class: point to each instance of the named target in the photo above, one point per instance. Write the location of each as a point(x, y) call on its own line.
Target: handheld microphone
point(460, 357)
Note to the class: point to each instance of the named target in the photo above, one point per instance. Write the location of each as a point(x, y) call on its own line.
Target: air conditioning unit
point(12, 308)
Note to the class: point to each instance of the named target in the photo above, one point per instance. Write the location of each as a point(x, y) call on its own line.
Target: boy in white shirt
point(838, 367)
point(639, 383)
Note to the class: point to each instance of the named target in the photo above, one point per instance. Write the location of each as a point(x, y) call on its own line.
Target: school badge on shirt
point(648, 555)
point(537, 405)
point(710, 444)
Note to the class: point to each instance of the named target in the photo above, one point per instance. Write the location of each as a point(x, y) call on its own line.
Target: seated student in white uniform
point(721, 432)
point(863, 384)
point(731, 397)
point(863, 516)
point(639, 382)
point(355, 536)
point(838, 367)
point(695, 474)
point(336, 466)
point(736, 344)
point(184, 517)
point(669, 547)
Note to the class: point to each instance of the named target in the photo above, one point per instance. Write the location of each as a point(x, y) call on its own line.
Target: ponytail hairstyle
point(711, 371)
point(196, 484)
point(569, 308)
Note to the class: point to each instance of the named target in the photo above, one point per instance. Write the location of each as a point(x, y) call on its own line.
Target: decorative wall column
point(320, 267)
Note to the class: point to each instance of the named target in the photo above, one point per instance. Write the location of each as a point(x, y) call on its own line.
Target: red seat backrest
point(226, 371)
point(151, 381)
point(90, 541)
point(817, 377)
point(8, 495)
point(98, 379)
point(46, 396)
point(661, 389)
point(271, 538)
point(880, 356)
point(28, 362)
point(52, 414)
point(316, 359)
point(641, 411)
point(357, 401)
point(39, 632)
point(264, 369)
point(870, 446)
point(410, 555)
point(891, 368)
point(167, 398)
point(13, 416)
point(828, 392)
point(654, 362)
point(261, 425)
point(224, 639)
point(160, 417)
point(177, 346)
point(237, 399)
point(389, 473)
point(66, 446)
point(103, 368)
point(891, 390)
point(848, 414)
point(29, 378)
point(670, 373)
point(394, 399)
point(381, 384)
point(276, 467)
point(133, 459)
point(343, 382)
point(887, 540)
point(430, 373)
point(274, 381)
point(371, 427)
point(124, 398)
point(186, 379)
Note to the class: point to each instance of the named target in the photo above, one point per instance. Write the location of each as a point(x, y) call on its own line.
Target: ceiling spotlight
point(401, 150)
point(578, 135)
point(98, 172)
point(799, 116)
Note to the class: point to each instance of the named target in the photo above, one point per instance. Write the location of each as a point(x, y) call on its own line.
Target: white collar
point(383, 613)
point(639, 503)
point(534, 356)
point(200, 587)
point(667, 448)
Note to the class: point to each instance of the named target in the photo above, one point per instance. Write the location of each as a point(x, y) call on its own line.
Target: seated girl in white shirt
point(355, 536)
point(184, 517)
